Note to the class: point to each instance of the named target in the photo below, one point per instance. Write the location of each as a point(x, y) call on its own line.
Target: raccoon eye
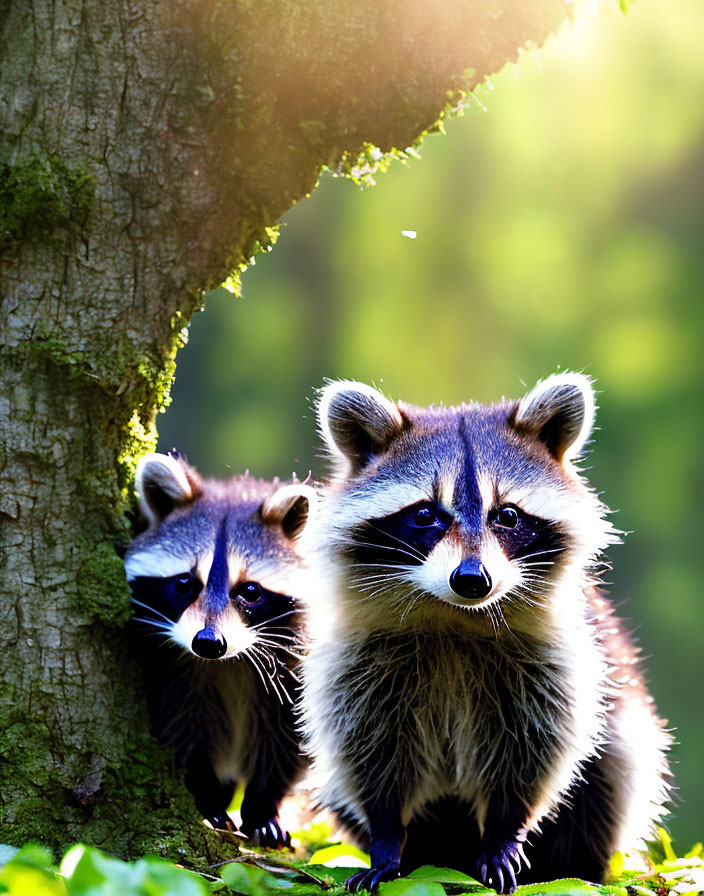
point(425, 515)
point(507, 517)
point(249, 592)
point(185, 585)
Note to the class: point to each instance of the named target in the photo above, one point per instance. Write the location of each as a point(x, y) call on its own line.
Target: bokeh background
point(559, 224)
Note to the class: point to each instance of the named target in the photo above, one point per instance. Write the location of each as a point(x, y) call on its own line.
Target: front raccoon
point(468, 690)
point(214, 580)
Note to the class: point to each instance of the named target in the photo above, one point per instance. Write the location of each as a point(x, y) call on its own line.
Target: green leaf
point(30, 872)
point(249, 880)
point(339, 851)
point(332, 875)
point(565, 887)
point(407, 887)
point(89, 872)
point(441, 875)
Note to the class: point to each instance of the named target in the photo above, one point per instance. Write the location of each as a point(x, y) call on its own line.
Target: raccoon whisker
point(407, 549)
point(539, 564)
point(386, 571)
point(257, 668)
point(278, 635)
point(381, 582)
point(158, 634)
point(539, 585)
point(416, 598)
point(377, 592)
point(263, 660)
point(540, 569)
point(154, 622)
point(282, 648)
point(151, 609)
point(255, 628)
point(377, 587)
point(525, 596)
point(542, 553)
point(392, 584)
point(274, 646)
point(271, 676)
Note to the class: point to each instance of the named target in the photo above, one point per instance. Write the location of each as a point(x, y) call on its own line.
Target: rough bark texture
point(145, 150)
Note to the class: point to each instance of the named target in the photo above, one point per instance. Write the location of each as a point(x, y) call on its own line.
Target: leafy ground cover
point(316, 868)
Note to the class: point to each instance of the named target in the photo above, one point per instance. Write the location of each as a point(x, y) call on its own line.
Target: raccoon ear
point(290, 507)
point(162, 483)
point(560, 412)
point(357, 422)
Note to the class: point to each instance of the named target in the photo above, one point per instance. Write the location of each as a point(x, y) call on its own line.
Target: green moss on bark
point(102, 588)
point(88, 809)
point(40, 194)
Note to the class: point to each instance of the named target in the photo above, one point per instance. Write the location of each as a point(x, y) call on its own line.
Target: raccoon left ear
point(560, 411)
point(357, 422)
point(290, 507)
point(163, 482)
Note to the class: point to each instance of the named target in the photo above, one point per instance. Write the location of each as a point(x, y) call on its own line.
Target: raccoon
point(215, 580)
point(468, 690)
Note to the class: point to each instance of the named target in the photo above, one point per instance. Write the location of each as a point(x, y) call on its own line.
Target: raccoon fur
point(470, 698)
point(215, 580)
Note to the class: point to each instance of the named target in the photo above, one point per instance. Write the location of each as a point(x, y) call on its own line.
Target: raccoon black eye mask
point(403, 538)
point(407, 537)
point(214, 581)
point(471, 699)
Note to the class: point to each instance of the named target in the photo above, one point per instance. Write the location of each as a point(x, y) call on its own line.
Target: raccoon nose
point(209, 644)
point(471, 579)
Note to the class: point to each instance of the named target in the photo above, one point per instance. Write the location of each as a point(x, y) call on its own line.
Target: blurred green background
point(560, 224)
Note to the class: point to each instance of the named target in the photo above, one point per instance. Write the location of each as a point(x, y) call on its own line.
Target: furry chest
point(453, 710)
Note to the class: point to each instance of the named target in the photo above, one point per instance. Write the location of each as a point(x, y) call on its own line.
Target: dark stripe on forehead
point(467, 498)
point(218, 588)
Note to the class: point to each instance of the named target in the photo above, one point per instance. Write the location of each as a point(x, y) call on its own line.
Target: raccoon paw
point(269, 835)
point(221, 821)
point(371, 878)
point(496, 866)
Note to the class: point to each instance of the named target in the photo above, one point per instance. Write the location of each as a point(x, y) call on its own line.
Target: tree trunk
point(146, 148)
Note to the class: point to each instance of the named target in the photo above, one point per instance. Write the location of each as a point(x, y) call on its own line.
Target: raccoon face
point(476, 506)
point(216, 570)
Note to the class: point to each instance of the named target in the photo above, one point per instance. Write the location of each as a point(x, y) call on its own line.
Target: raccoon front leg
point(211, 795)
point(277, 765)
point(502, 843)
point(386, 838)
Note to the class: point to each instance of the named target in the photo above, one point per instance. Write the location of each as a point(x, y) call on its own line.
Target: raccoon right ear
point(162, 483)
point(290, 506)
point(357, 422)
point(560, 412)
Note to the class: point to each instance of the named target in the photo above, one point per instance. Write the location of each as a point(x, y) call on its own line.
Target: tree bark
point(146, 149)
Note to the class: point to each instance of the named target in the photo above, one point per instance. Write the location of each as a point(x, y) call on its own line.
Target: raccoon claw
point(222, 822)
point(269, 835)
point(496, 867)
point(370, 879)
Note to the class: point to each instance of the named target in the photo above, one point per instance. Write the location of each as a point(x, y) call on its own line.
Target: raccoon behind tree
point(468, 689)
point(214, 581)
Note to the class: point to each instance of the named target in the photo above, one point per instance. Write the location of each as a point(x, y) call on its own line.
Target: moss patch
point(40, 194)
point(102, 588)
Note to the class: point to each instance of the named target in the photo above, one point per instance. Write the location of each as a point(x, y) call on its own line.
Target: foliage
point(86, 871)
